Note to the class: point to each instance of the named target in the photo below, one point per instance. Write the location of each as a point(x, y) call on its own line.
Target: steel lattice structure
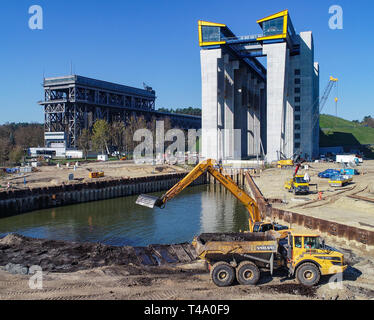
point(72, 103)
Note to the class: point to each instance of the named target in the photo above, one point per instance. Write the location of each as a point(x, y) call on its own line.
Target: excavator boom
point(227, 182)
point(151, 201)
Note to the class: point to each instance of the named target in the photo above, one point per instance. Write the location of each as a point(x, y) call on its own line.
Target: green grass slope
point(340, 132)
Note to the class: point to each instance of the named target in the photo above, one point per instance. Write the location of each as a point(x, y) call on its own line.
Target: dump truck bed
point(213, 245)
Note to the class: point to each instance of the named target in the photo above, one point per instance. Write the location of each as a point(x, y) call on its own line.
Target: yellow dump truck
point(297, 185)
point(241, 255)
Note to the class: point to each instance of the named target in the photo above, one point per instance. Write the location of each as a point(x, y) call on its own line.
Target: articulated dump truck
point(242, 256)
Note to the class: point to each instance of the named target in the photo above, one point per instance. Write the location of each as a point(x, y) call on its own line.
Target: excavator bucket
point(148, 201)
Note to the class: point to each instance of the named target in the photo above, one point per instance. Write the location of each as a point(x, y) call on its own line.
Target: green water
point(122, 222)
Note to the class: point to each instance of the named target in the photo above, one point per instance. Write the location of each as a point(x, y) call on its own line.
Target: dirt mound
point(261, 236)
point(64, 256)
point(61, 256)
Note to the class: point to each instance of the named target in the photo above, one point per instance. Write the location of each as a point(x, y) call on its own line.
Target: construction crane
point(333, 82)
point(255, 220)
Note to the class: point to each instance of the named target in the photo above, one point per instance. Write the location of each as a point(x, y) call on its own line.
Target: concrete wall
point(316, 111)
point(211, 111)
point(276, 88)
point(308, 93)
point(292, 116)
point(231, 107)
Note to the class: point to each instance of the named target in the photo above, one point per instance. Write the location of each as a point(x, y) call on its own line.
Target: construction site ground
point(111, 276)
point(44, 176)
point(192, 281)
point(336, 204)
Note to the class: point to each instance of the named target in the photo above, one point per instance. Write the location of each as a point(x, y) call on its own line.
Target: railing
point(249, 38)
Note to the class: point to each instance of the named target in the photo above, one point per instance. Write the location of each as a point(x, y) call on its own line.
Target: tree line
point(117, 135)
point(15, 138)
point(367, 121)
point(188, 110)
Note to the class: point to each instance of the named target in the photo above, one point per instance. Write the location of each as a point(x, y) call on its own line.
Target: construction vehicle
point(287, 162)
point(340, 180)
point(297, 184)
point(96, 174)
point(255, 220)
point(284, 163)
point(241, 255)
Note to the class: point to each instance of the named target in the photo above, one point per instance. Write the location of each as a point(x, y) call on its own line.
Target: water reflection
point(121, 222)
point(221, 211)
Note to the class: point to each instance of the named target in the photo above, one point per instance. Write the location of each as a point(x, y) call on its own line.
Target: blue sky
point(156, 41)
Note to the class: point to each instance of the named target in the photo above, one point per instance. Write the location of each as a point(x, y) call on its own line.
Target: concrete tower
point(233, 99)
point(249, 111)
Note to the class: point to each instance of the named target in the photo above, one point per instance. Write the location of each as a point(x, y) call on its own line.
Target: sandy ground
point(52, 175)
point(336, 205)
point(192, 281)
point(132, 281)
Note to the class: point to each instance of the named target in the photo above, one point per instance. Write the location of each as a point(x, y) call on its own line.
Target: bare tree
point(4, 150)
point(84, 142)
point(117, 134)
point(134, 123)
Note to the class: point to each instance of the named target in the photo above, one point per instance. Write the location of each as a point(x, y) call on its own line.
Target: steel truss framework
point(74, 103)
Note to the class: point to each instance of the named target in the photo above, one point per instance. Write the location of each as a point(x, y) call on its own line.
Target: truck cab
point(297, 185)
point(307, 257)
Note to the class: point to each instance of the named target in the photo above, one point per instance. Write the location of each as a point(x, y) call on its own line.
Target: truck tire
point(308, 274)
point(222, 274)
point(247, 273)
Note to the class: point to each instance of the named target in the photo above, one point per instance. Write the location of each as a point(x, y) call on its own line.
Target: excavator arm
point(227, 182)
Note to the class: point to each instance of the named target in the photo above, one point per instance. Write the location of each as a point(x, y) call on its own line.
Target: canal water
point(119, 221)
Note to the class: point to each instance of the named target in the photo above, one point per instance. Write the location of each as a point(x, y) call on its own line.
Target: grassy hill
point(341, 132)
point(336, 131)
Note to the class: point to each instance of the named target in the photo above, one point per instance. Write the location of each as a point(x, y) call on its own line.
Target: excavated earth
point(73, 270)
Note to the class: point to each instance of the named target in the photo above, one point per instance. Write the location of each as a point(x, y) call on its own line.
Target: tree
point(84, 142)
point(134, 123)
point(368, 121)
point(30, 135)
point(100, 135)
point(117, 130)
point(16, 155)
point(4, 150)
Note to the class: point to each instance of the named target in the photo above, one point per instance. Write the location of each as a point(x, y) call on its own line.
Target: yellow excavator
point(255, 220)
